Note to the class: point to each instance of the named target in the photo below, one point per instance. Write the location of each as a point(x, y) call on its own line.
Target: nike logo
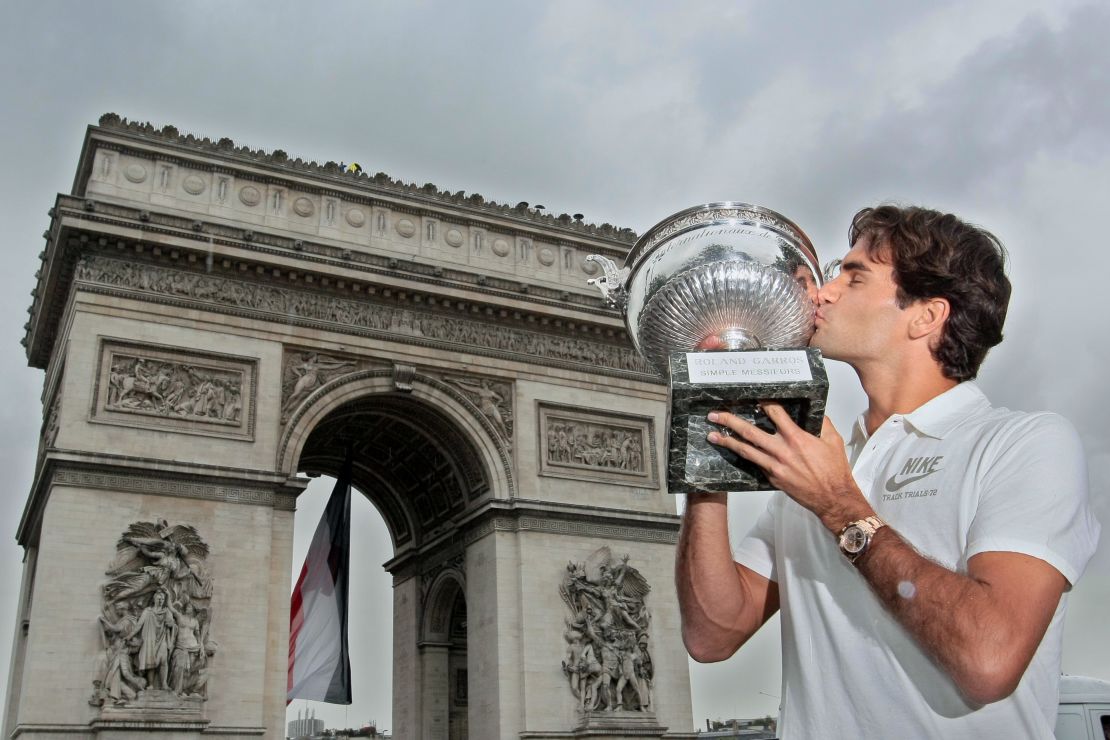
point(916, 468)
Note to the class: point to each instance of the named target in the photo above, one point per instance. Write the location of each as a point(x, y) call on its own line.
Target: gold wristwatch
point(856, 536)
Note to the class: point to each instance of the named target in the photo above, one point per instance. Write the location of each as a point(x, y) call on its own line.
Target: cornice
point(151, 476)
point(528, 515)
point(278, 163)
point(79, 224)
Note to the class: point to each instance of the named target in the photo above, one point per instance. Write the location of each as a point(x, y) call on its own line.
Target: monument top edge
point(224, 146)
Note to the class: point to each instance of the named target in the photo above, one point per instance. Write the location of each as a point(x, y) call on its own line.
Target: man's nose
point(829, 292)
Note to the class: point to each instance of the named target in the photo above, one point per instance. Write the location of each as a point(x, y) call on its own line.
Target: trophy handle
point(611, 284)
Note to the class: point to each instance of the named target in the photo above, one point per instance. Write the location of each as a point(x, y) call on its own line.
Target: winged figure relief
point(154, 555)
point(608, 661)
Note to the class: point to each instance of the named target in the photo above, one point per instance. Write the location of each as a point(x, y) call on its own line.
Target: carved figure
point(117, 681)
point(608, 664)
point(162, 388)
point(155, 620)
point(186, 648)
point(155, 629)
point(306, 375)
point(151, 557)
point(489, 402)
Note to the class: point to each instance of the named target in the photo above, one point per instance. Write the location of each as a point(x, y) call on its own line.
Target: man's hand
point(814, 471)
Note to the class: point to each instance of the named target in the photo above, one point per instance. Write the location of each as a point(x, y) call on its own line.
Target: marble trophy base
point(736, 381)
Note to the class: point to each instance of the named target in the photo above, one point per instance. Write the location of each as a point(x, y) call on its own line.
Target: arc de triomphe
point(216, 322)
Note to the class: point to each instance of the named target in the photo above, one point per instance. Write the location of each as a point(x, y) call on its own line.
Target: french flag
point(319, 666)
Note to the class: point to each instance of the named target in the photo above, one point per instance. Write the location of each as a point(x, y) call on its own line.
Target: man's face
point(858, 320)
point(804, 277)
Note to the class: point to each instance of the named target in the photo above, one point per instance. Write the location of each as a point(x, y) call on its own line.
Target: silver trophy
point(748, 277)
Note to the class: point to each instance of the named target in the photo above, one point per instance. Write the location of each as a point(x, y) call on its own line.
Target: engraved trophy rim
point(666, 229)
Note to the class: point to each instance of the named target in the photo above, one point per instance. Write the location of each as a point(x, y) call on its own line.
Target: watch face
point(853, 540)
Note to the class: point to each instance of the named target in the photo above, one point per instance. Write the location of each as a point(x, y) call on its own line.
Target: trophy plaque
point(748, 277)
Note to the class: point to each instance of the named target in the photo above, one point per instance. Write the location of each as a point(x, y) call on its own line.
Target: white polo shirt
point(955, 478)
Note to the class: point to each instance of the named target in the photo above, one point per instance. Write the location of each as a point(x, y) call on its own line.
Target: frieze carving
point(352, 314)
point(185, 391)
point(155, 620)
point(582, 443)
point(143, 385)
point(608, 646)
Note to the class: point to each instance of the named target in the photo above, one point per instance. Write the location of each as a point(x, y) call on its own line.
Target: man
point(922, 569)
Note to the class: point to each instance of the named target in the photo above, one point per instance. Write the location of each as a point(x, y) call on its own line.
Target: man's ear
point(930, 314)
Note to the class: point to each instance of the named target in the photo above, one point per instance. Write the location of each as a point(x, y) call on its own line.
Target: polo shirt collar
point(938, 416)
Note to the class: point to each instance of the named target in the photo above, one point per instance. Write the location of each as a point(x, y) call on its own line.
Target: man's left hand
point(814, 471)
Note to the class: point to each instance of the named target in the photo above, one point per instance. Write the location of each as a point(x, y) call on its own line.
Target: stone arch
point(449, 455)
point(443, 594)
point(443, 647)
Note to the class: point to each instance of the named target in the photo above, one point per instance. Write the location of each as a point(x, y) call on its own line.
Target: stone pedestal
point(619, 725)
point(153, 711)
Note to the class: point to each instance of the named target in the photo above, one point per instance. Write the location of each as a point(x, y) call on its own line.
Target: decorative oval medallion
point(546, 257)
point(250, 195)
point(453, 237)
point(355, 217)
point(303, 207)
point(193, 185)
point(500, 247)
point(590, 268)
point(406, 228)
point(135, 172)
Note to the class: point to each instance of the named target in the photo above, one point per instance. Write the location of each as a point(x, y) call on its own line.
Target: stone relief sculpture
point(594, 445)
point(492, 399)
point(357, 313)
point(608, 663)
point(173, 389)
point(304, 372)
point(155, 618)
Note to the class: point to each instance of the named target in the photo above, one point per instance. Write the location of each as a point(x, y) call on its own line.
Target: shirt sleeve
point(1034, 497)
point(756, 550)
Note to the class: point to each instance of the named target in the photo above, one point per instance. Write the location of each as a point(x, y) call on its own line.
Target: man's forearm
point(955, 618)
point(718, 608)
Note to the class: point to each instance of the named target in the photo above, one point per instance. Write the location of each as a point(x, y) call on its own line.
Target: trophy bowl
point(742, 279)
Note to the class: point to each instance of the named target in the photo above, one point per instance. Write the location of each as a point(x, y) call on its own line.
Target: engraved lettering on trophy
point(750, 367)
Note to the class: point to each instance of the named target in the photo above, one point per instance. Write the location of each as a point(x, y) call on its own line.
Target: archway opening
point(370, 639)
point(421, 473)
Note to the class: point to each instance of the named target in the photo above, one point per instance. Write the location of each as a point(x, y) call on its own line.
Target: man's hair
point(936, 255)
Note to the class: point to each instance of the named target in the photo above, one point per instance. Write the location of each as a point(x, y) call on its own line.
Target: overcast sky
point(625, 111)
